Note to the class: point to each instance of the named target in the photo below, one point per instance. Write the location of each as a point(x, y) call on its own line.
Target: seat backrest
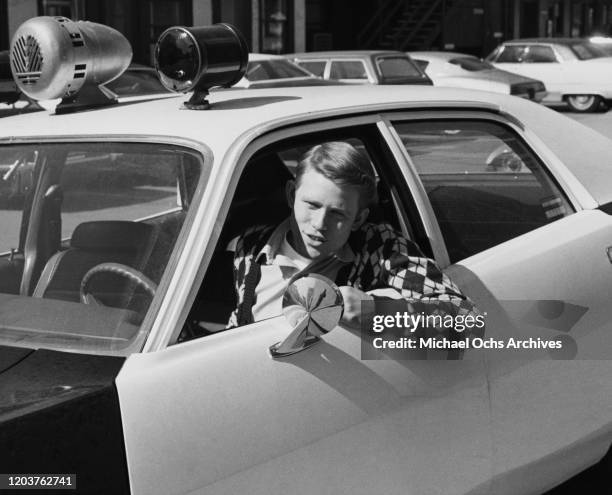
point(92, 243)
point(260, 196)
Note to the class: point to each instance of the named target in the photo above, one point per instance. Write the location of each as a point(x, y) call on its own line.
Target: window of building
point(276, 26)
point(73, 9)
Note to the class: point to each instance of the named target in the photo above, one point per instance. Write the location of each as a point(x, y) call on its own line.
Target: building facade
point(283, 26)
point(273, 26)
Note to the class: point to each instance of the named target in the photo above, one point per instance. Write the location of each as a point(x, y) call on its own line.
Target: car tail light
point(527, 88)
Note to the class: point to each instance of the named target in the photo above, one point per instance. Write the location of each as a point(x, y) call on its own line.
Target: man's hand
point(352, 306)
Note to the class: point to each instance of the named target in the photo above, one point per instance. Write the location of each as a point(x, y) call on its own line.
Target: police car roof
point(236, 111)
point(248, 112)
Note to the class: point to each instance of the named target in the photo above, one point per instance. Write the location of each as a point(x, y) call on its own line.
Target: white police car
point(115, 283)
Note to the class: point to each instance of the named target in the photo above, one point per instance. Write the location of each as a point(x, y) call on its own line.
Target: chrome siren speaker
point(199, 58)
point(54, 57)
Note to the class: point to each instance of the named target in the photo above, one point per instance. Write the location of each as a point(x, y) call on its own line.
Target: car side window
point(484, 184)
point(260, 200)
point(317, 67)
point(539, 54)
point(348, 69)
point(511, 54)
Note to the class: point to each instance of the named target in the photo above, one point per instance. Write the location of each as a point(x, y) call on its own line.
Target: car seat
point(92, 243)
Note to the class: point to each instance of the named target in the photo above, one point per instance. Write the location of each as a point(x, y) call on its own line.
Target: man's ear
point(361, 218)
point(290, 193)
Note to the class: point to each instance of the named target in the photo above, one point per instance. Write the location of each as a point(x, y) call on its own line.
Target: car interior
point(124, 224)
point(259, 200)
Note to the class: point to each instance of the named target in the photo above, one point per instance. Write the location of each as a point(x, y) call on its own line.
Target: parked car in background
point(9, 105)
point(575, 71)
point(467, 71)
point(363, 67)
point(273, 71)
point(116, 284)
point(604, 43)
point(136, 83)
point(137, 80)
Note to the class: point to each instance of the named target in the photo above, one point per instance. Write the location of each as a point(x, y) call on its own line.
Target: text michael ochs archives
point(397, 329)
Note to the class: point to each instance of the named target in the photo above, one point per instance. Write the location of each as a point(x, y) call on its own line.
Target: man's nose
point(319, 220)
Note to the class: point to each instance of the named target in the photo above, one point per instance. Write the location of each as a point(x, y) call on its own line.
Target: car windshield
point(262, 70)
point(89, 230)
point(605, 48)
point(586, 50)
point(399, 70)
point(471, 63)
point(137, 83)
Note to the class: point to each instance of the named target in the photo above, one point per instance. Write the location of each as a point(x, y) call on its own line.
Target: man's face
point(324, 213)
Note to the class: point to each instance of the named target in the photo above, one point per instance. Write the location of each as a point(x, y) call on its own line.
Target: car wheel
point(584, 103)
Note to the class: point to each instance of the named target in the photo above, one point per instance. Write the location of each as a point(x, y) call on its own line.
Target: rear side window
point(540, 54)
point(587, 51)
point(484, 184)
point(263, 70)
point(348, 69)
point(317, 67)
point(511, 54)
point(398, 70)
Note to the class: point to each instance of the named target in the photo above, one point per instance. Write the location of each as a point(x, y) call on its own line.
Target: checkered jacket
point(383, 259)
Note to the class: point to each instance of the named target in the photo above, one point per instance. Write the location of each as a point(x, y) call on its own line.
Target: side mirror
point(313, 306)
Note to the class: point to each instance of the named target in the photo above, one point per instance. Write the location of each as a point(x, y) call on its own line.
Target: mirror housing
point(313, 306)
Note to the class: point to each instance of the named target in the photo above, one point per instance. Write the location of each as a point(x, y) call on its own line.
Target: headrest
point(262, 175)
point(111, 234)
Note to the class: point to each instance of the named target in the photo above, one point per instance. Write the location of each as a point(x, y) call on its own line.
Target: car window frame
point(214, 205)
point(551, 165)
point(167, 335)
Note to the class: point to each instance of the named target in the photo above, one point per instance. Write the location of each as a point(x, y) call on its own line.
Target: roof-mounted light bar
point(199, 58)
point(54, 57)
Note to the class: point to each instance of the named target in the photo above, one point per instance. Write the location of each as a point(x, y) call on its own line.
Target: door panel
point(219, 415)
point(548, 417)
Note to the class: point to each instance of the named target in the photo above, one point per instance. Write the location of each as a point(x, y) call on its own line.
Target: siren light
point(199, 58)
point(55, 57)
